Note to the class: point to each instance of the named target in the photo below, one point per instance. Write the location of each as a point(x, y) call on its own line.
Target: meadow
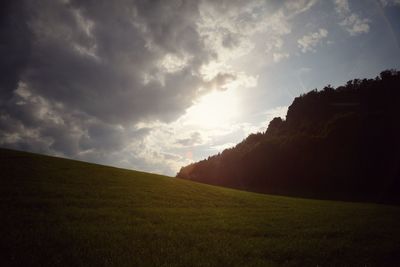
point(59, 212)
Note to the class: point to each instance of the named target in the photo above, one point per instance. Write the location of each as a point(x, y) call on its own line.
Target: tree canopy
point(336, 143)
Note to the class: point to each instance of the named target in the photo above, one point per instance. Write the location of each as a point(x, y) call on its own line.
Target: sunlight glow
point(214, 109)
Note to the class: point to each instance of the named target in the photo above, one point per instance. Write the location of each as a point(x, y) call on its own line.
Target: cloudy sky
point(155, 85)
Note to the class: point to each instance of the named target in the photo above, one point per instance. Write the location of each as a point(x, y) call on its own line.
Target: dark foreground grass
point(62, 212)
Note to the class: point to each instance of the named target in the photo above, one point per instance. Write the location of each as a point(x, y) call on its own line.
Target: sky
point(156, 85)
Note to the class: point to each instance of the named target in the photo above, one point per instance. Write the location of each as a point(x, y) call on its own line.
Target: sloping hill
point(338, 143)
point(57, 212)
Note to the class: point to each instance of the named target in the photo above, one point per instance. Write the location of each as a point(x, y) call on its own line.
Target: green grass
point(61, 212)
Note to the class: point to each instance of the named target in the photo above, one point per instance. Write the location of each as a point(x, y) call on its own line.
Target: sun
point(214, 109)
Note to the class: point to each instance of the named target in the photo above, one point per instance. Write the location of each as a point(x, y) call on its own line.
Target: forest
point(335, 143)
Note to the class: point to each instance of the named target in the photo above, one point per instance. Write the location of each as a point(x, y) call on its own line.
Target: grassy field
point(60, 212)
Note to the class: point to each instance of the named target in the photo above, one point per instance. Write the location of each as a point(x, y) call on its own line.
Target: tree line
point(336, 143)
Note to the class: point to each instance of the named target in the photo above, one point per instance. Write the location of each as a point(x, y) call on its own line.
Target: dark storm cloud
point(97, 57)
point(77, 76)
point(14, 46)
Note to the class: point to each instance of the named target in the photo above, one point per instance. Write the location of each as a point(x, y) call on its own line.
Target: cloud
point(80, 76)
point(386, 3)
point(273, 43)
point(351, 22)
point(310, 41)
point(79, 79)
point(355, 25)
point(277, 57)
point(194, 139)
point(229, 26)
point(279, 25)
point(15, 46)
point(222, 80)
point(300, 6)
point(342, 6)
point(103, 80)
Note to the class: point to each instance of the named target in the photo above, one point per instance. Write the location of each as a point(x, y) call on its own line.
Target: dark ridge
point(336, 143)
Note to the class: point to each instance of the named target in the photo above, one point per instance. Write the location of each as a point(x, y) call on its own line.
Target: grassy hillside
point(60, 212)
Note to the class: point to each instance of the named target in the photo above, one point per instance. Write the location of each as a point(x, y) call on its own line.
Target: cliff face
point(341, 143)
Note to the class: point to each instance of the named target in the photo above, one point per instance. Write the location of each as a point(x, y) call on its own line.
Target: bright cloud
point(351, 22)
point(280, 56)
point(310, 41)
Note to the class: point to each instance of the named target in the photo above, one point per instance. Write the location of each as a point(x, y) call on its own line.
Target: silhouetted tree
point(338, 143)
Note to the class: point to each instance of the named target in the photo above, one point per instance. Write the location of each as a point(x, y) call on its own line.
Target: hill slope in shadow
point(59, 212)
